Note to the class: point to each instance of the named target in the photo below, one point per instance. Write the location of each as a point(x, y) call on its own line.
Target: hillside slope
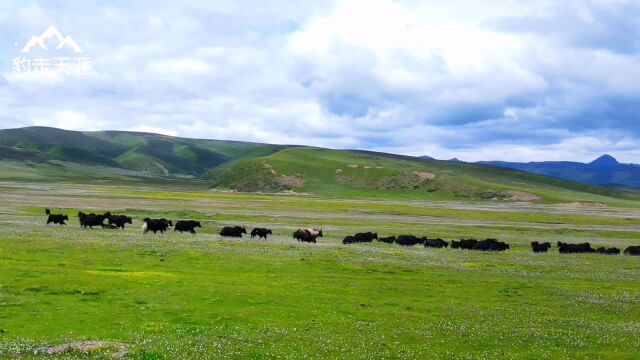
point(45, 154)
point(148, 154)
point(363, 174)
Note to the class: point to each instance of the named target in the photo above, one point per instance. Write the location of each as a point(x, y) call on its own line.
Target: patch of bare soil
point(87, 346)
point(522, 196)
point(291, 181)
point(425, 176)
point(585, 205)
point(353, 166)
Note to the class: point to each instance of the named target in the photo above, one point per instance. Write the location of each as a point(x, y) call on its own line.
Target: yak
point(307, 235)
point(466, 244)
point(260, 233)
point(187, 225)
point(360, 238)
point(233, 231)
point(490, 245)
point(540, 248)
point(119, 221)
point(564, 248)
point(608, 251)
point(56, 218)
point(388, 240)
point(156, 225)
point(632, 250)
point(91, 220)
point(436, 243)
point(409, 240)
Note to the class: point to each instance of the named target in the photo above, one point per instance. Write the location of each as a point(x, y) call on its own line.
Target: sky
point(475, 79)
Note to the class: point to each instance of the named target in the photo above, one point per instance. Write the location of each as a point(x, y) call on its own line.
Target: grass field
point(178, 296)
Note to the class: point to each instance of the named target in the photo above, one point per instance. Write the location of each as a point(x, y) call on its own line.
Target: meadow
point(178, 296)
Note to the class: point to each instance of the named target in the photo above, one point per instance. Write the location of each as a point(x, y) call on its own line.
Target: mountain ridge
point(50, 153)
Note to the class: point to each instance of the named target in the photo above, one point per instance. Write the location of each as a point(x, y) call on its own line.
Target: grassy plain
point(178, 296)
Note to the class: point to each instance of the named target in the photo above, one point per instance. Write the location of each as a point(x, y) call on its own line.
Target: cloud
point(153, 130)
point(475, 80)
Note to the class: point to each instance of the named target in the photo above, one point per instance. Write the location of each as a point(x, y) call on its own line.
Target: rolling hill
point(39, 153)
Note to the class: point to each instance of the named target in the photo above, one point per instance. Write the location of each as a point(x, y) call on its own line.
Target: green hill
point(367, 174)
point(39, 153)
point(146, 154)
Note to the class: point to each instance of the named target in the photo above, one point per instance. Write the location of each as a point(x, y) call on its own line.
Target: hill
point(141, 153)
point(365, 174)
point(604, 171)
point(39, 154)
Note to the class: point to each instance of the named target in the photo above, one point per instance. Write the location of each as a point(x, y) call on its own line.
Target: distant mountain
point(603, 171)
point(605, 160)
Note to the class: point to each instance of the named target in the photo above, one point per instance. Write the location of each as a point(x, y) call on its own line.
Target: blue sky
point(476, 80)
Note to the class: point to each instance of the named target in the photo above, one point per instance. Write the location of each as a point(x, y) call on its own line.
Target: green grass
point(181, 297)
point(345, 174)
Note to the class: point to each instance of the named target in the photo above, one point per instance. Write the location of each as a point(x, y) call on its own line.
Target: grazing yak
point(110, 226)
point(490, 245)
point(564, 248)
point(388, 240)
point(540, 248)
point(307, 235)
point(56, 218)
point(156, 225)
point(233, 231)
point(466, 244)
point(91, 220)
point(436, 243)
point(119, 221)
point(608, 251)
point(632, 250)
point(260, 233)
point(360, 238)
point(187, 225)
point(409, 240)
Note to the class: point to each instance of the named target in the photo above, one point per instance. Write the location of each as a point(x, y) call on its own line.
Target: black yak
point(632, 250)
point(564, 248)
point(608, 251)
point(56, 218)
point(409, 240)
point(360, 238)
point(490, 245)
point(187, 225)
point(540, 248)
point(388, 240)
point(260, 233)
point(436, 243)
point(307, 235)
point(156, 225)
point(119, 221)
point(91, 220)
point(466, 244)
point(233, 231)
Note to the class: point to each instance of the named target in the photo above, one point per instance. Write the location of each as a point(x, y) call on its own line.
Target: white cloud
point(495, 79)
point(153, 130)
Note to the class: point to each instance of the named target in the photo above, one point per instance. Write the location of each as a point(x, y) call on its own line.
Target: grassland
point(355, 174)
point(178, 296)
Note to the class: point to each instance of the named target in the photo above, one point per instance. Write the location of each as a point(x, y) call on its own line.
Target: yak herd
point(111, 221)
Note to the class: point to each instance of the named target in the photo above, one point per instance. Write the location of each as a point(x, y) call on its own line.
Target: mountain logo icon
point(51, 32)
